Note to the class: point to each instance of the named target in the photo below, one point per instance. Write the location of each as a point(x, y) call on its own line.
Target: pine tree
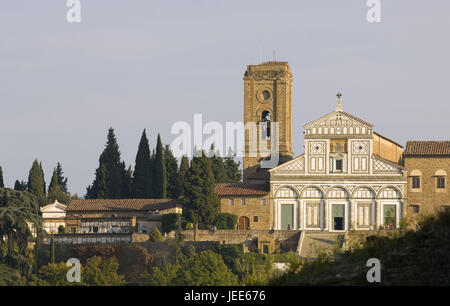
point(2, 185)
point(171, 172)
point(142, 177)
point(155, 235)
point(232, 168)
point(36, 184)
point(218, 166)
point(159, 172)
point(201, 203)
point(109, 182)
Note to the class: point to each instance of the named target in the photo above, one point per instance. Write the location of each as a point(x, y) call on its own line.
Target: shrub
point(169, 222)
point(155, 235)
point(226, 221)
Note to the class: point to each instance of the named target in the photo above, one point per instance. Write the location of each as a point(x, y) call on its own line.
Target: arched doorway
point(244, 223)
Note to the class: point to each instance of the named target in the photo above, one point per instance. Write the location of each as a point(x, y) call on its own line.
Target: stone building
point(428, 163)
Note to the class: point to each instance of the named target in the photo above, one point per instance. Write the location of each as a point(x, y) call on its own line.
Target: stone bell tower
point(267, 100)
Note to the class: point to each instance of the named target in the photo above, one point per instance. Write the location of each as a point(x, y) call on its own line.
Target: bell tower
point(267, 100)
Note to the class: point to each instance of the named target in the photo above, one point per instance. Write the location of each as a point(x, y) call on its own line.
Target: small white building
point(54, 216)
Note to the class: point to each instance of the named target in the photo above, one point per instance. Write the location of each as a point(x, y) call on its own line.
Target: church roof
point(427, 148)
point(242, 189)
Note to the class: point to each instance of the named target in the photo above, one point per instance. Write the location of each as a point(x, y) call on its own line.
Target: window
point(255, 218)
point(265, 249)
point(339, 164)
point(416, 182)
point(265, 120)
point(441, 182)
point(263, 202)
point(231, 202)
point(243, 202)
point(414, 209)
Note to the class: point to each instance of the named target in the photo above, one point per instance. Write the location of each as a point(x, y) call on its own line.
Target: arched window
point(265, 117)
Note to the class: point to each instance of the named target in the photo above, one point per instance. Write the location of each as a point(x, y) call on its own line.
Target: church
point(349, 176)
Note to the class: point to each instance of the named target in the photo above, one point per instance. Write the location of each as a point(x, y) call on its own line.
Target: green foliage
point(2, 184)
point(52, 249)
point(134, 261)
point(162, 277)
point(61, 229)
point(55, 189)
point(205, 269)
point(142, 177)
point(36, 183)
point(159, 172)
point(234, 174)
point(102, 272)
point(20, 185)
point(171, 173)
point(189, 226)
point(17, 210)
point(201, 203)
point(53, 274)
point(182, 171)
point(8, 276)
point(225, 221)
point(111, 177)
point(155, 235)
point(217, 165)
point(170, 222)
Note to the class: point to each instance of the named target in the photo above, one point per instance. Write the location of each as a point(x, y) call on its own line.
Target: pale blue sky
point(146, 64)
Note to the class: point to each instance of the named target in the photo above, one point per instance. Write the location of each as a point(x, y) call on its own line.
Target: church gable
point(338, 123)
point(295, 166)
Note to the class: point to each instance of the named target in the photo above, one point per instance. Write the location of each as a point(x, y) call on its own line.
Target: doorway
point(338, 217)
point(244, 223)
point(287, 216)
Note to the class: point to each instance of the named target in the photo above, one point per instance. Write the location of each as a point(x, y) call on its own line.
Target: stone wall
point(428, 197)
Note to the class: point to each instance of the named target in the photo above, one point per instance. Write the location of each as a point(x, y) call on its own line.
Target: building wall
point(386, 148)
point(428, 197)
point(253, 208)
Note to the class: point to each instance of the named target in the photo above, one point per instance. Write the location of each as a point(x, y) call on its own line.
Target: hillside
point(420, 257)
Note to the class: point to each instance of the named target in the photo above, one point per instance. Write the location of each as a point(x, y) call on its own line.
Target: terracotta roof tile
point(241, 189)
point(427, 148)
point(121, 204)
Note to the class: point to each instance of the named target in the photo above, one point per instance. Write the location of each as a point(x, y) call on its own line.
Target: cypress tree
point(36, 184)
point(43, 178)
point(109, 181)
point(159, 172)
point(142, 177)
point(201, 203)
point(171, 172)
point(184, 167)
point(2, 185)
point(52, 249)
point(232, 168)
point(127, 184)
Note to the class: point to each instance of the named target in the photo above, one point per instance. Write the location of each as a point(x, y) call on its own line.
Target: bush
point(169, 222)
point(155, 235)
point(226, 221)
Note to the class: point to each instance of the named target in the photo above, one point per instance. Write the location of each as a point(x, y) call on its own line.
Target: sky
point(148, 64)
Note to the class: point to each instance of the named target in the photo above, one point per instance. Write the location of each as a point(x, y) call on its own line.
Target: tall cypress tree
point(201, 203)
point(159, 172)
point(184, 167)
point(2, 185)
point(171, 172)
point(127, 182)
point(142, 177)
point(36, 184)
point(62, 181)
point(109, 182)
